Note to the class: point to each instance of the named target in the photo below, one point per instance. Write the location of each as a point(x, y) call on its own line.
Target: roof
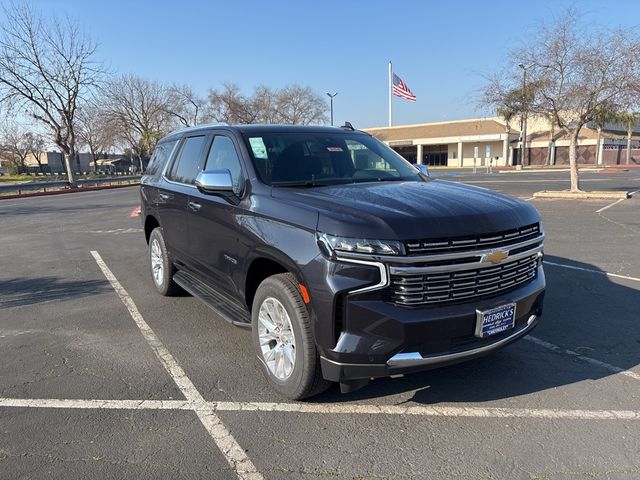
point(460, 128)
point(260, 128)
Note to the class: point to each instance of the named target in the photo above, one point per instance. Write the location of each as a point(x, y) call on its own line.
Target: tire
point(301, 378)
point(160, 265)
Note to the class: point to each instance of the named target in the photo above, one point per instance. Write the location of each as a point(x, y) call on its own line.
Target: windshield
point(312, 159)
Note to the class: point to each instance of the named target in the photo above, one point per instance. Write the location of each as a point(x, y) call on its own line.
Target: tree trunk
point(598, 140)
point(628, 147)
point(68, 162)
point(573, 161)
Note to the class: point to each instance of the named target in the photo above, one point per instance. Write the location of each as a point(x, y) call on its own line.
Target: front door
point(213, 227)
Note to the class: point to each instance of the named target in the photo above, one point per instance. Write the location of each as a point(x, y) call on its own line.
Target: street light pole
point(524, 112)
point(331, 95)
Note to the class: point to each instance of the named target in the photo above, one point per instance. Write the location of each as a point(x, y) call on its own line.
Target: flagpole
point(390, 87)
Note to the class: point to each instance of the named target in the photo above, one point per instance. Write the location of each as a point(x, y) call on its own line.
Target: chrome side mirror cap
point(214, 182)
point(422, 169)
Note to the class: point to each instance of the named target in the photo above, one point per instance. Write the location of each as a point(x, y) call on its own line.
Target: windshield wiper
point(298, 183)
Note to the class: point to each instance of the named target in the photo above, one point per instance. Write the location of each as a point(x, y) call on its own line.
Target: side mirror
point(215, 182)
point(422, 169)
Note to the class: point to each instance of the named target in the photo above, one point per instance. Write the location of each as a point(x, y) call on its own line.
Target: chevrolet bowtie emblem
point(496, 256)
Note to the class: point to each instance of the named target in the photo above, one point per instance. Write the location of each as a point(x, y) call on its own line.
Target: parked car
point(345, 261)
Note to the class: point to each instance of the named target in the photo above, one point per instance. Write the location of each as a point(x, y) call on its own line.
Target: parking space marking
point(592, 361)
point(539, 181)
point(590, 270)
point(319, 408)
point(97, 404)
point(226, 443)
point(610, 205)
point(430, 411)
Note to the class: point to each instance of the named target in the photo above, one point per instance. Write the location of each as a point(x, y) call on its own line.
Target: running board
point(220, 303)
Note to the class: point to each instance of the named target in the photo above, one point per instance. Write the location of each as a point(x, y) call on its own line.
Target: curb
point(68, 190)
point(567, 195)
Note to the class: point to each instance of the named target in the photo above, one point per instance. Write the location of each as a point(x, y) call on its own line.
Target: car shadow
point(20, 292)
point(585, 312)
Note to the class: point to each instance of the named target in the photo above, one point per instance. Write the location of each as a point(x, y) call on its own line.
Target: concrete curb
point(567, 195)
point(68, 190)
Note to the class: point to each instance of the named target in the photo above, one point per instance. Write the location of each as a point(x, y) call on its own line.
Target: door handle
point(164, 196)
point(195, 206)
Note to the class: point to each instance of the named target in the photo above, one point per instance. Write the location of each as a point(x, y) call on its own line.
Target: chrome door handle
point(195, 206)
point(164, 196)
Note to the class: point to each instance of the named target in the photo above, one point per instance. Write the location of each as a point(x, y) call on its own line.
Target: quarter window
point(159, 158)
point(186, 167)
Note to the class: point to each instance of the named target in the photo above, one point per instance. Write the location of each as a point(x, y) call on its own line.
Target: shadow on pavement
point(19, 292)
point(584, 311)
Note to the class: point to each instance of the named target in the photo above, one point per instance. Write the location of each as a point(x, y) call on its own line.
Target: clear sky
point(441, 49)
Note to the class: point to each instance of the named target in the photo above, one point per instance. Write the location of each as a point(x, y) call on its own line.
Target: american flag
point(400, 89)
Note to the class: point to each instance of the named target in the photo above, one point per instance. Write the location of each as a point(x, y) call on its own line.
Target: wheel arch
point(150, 223)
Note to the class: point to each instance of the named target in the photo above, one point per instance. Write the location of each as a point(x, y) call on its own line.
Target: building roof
point(459, 128)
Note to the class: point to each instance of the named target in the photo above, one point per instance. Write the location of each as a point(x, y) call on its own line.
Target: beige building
point(484, 141)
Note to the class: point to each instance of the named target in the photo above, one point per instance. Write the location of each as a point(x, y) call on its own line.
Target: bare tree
point(185, 105)
point(36, 146)
point(47, 68)
point(14, 148)
point(230, 106)
point(139, 110)
point(96, 132)
point(573, 71)
point(301, 106)
point(292, 104)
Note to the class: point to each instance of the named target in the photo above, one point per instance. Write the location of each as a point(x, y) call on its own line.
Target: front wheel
point(283, 339)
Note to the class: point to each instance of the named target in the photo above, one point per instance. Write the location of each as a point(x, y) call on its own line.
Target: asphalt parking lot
point(100, 377)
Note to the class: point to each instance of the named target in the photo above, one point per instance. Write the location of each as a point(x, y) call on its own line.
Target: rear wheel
point(283, 339)
point(162, 268)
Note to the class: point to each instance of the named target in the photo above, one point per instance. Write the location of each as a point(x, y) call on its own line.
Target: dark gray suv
point(346, 261)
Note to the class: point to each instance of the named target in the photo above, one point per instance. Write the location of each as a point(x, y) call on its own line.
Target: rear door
point(173, 198)
point(213, 225)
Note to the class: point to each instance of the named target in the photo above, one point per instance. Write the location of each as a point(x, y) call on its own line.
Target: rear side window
point(160, 157)
point(186, 167)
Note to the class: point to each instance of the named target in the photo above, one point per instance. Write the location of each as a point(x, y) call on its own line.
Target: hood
point(410, 210)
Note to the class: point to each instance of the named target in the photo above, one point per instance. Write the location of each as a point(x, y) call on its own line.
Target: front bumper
point(380, 339)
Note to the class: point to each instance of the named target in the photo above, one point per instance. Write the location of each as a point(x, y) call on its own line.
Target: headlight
point(361, 245)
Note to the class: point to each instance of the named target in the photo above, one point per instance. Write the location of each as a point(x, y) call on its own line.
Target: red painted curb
point(68, 190)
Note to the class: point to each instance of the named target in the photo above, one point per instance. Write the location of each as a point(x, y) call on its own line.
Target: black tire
point(306, 378)
point(165, 285)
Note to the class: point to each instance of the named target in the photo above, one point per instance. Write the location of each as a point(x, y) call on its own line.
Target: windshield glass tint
point(325, 158)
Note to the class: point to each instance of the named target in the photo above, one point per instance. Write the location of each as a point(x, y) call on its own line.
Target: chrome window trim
point(407, 270)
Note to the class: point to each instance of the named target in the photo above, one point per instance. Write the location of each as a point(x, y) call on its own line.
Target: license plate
point(496, 320)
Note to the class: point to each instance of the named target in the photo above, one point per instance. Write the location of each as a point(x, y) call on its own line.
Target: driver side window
point(223, 155)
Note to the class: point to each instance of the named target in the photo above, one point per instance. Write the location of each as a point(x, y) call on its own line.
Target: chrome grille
point(461, 244)
point(438, 287)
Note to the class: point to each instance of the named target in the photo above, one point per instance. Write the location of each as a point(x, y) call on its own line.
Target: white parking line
point(610, 205)
point(431, 411)
point(592, 361)
point(615, 275)
point(330, 409)
point(231, 450)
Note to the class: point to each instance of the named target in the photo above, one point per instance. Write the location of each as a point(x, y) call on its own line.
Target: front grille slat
point(431, 289)
point(499, 239)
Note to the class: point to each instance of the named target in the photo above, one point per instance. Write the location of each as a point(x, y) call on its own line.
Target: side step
point(220, 303)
